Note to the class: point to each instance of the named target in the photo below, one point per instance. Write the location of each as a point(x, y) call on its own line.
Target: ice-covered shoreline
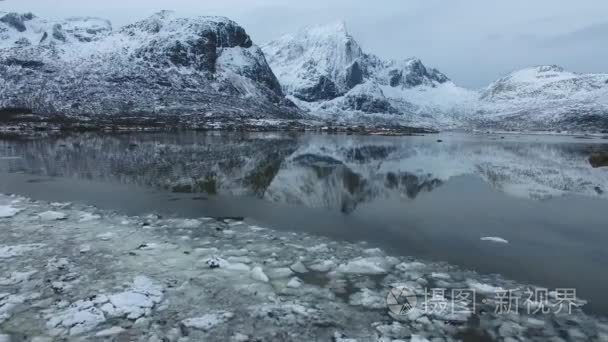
point(74, 272)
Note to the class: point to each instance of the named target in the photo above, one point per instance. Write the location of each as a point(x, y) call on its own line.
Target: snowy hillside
point(546, 97)
point(325, 71)
point(161, 65)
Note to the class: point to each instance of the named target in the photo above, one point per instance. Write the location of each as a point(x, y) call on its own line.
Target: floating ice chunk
point(410, 266)
point(512, 329)
point(237, 266)
point(374, 252)
point(323, 266)
point(238, 337)
point(80, 317)
point(188, 223)
point(52, 216)
point(320, 248)
point(8, 211)
point(294, 283)
point(148, 287)
point(418, 338)
point(281, 272)
point(339, 337)
point(18, 250)
point(208, 321)
point(240, 259)
point(135, 302)
point(368, 299)
point(16, 278)
point(130, 304)
point(86, 217)
point(371, 265)
point(105, 236)
point(258, 274)
point(257, 229)
point(84, 248)
point(110, 332)
point(206, 251)
point(148, 246)
point(494, 239)
point(440, 275)
point(7, 303)
point(55, 264)
point(298, 267)
point(483, 288)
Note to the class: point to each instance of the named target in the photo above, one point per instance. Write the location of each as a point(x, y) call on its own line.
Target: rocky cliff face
point(325, 71)
point(163, 65)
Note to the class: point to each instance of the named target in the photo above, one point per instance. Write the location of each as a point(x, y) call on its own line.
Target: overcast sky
point(472, 41)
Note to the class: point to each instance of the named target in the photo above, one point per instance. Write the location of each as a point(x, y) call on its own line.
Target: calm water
point(410, 195)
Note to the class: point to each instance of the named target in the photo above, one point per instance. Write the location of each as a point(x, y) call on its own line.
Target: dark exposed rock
point(16, 20)
point(58, 33)
point(368, 104)
point(354, 75)
point(325, 89)
point(599, 159)
point(24, 63)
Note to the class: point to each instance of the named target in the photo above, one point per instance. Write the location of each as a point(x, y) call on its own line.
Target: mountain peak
point(333, 28)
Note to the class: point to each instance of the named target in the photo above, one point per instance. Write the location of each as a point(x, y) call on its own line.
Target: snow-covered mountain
point(162, 65)
point(546, 98)
point(325, 71)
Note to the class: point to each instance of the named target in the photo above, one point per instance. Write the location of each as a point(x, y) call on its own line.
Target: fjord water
point(432, 197)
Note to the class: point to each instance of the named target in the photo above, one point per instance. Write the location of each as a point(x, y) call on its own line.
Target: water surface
point(413, 196)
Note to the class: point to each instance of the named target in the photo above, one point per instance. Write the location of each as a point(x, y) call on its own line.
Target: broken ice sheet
point(7, 211)
point(291, 292)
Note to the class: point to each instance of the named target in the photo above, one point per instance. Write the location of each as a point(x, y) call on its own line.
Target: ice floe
point(52, 215)
point(8, 211)
point(208, 321)
point(18, 250)
point(258, 274)
point(370, 265)
point(494, 239)
point(148, 284)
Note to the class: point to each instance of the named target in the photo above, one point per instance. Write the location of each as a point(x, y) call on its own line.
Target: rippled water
point(432, 196)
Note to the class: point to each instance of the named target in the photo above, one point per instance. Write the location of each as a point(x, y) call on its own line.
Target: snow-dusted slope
point(325, 71)
point(160, 65)
point(546, 97)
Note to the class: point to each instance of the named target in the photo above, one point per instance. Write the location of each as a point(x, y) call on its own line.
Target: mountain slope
point(546, 98)
point(162, 65)
point(325, 71)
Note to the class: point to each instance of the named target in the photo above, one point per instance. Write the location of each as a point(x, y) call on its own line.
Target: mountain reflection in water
point(332, 172)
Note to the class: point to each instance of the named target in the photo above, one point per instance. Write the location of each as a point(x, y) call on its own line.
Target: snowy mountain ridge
point(324, 71)
point(164, 64)
point(546, 96)
point(209, 67)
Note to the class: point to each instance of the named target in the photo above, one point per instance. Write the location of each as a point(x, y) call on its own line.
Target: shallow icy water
point(411, 196)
